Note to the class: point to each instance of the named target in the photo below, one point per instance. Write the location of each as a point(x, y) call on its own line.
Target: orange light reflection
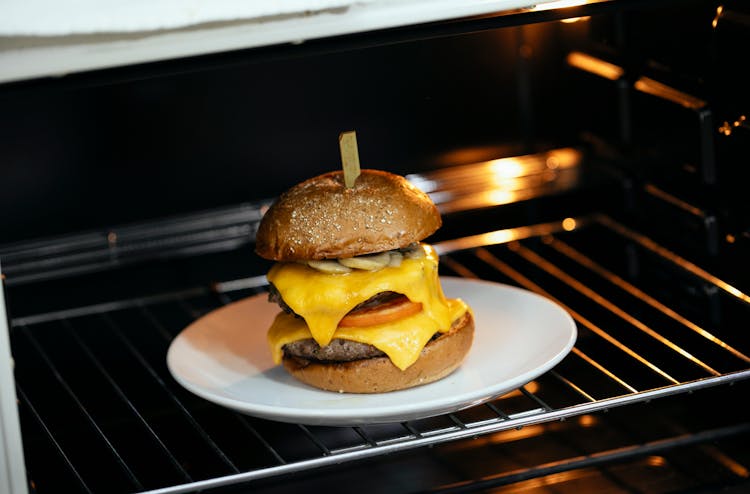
point(559, 4)
point(569, 224)
point(594, 65)
point(572, 20)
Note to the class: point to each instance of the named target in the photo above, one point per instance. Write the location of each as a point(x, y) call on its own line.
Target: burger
point(362, 308)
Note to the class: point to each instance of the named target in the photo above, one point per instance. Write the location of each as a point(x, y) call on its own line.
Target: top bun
point(321, 218)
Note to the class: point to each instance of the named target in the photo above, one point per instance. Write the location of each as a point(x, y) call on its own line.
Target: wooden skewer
point(349, 157)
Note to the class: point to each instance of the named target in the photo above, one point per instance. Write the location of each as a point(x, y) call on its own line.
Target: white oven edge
point(27, 56)
point(12, 468)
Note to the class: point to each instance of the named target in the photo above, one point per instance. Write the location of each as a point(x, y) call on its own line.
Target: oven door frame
point(13, 477)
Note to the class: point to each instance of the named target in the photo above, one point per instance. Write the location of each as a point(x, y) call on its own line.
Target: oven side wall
point(13, 478)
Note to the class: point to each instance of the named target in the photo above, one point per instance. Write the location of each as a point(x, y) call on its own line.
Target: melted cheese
point(401, 340)
point(322, 300)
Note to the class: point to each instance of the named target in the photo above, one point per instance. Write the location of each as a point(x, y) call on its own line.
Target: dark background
point(96, 150)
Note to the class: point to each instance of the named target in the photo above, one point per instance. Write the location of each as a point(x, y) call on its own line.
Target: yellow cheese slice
point(401, 340)
point(323, 299)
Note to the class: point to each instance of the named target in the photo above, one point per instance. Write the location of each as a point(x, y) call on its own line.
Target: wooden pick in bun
point(363, 309)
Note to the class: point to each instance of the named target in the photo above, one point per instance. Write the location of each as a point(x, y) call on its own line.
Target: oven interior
point(592, 154)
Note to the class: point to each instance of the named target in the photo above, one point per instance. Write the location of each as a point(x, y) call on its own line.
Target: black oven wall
point(80, 155)
point(89, 151)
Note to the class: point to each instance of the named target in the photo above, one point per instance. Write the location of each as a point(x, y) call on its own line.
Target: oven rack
point(153, 436)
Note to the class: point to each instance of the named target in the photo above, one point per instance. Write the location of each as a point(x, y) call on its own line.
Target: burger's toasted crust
point(322, 219)
point(378, 375)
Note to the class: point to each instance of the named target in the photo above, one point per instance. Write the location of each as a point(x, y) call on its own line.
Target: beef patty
point(337, 350)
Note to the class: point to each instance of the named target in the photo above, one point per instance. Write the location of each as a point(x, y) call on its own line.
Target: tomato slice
point(393, 310)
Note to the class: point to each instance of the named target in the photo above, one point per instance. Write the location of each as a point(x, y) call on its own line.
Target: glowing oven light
point(571, 20)
point(715, 21)
point(560, 4)
point(569, 224)
point(505, 168)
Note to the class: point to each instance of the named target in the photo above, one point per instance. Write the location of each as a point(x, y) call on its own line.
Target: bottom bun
point(439, 358)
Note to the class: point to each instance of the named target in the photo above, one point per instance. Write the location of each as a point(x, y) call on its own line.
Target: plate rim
point(345, 416)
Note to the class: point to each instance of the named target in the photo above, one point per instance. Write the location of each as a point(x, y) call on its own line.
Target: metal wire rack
point(100, 409)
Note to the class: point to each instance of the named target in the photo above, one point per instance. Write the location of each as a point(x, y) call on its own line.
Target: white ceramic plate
point(224, 358)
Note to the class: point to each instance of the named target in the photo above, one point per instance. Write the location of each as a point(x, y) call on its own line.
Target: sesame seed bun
point(321, 218)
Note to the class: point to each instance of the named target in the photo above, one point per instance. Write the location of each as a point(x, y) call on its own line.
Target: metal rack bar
point(364, 435)
point(456, 420)
point(460, 268)
point(69, 391)
point(105, 307)
point(502, 415)
point(493, 261)
point(97, 363)
point(558, 273)
point(180, 406)
point(224, 299)
point(411, 430)
point(323, 448)
point(616, 280)
point(508, 235)
point(150, 317)
point(604, 370)
point(451, 435)
point(243, 420)
point(596, 459)
point(573, 386)
point(412, 438)
point(670, 256)
point(58, 448)
point(535, 399)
